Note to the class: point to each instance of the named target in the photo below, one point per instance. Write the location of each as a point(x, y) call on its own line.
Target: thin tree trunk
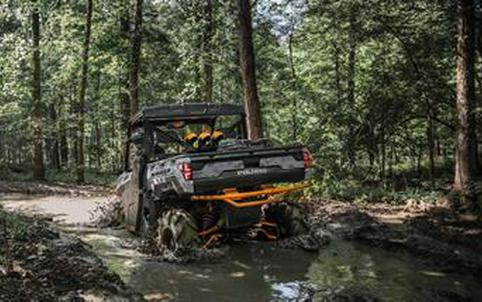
point(98, 146)
point(62, 131)
point(72, 127)
point(125, 123)
point(465, 156)
point(383, 154)
point(351, 90)
point(248, 72)
point(54, 147)
point(207, 46)
point(37, 112)
point(419, 162)
point(83, 88)
point(135, 59)
point(430, 141)
point(124, 92)
point(336, 59)
point(338, 88)
point(64, 146)
point(97, 126)
point(294, 109)
point(198, 57)
point(113, 144)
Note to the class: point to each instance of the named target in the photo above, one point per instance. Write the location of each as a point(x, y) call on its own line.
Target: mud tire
point(177, 231)
point(289, 216)
point(149, 217)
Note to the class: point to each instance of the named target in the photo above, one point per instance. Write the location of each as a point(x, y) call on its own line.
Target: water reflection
point(349, 269)
point(246, 274)
point(344, 271)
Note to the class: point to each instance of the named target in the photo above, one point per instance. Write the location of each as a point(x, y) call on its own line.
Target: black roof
point(186, 111)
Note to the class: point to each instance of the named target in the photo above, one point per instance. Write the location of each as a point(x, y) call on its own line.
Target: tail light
point(186, 170)
point(307, 158)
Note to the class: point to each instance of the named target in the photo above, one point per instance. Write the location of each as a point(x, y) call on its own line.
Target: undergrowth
point(67, 176)
point(353, 191)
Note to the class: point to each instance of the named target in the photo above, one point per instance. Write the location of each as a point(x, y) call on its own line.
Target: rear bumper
point(232, 180)
point(244, 199)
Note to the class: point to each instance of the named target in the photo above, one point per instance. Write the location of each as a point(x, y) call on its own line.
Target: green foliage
point(353, 192)
point(13, 227)
point(362, 83)
point(92, 177)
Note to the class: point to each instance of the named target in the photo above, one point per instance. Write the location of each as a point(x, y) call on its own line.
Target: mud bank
point(42, 188)
point(39, 263)
point(433, 233)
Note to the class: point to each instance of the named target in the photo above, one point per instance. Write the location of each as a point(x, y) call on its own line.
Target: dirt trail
point(42, 188)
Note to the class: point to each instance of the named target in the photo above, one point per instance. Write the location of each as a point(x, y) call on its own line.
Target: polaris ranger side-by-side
point(194, 177)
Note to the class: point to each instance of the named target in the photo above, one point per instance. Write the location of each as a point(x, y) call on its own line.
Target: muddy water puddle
point(257, 272)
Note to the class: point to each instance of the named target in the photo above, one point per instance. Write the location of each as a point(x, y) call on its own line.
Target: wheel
point(177, 230)
point(289, 216)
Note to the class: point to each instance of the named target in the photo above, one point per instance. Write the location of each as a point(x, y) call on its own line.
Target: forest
point(369, 86)
point(386, 95)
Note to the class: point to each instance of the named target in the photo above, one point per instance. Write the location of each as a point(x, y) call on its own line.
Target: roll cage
point(164, 122)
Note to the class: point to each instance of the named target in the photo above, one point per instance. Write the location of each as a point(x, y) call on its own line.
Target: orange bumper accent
point(235, 198)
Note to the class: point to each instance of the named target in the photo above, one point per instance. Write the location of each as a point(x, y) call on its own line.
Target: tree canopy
point(369, 86)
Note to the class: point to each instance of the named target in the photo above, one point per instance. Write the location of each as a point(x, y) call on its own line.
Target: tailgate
point(247, 168)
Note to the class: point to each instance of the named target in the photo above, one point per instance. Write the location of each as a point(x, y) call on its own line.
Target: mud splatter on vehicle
point(195, 179)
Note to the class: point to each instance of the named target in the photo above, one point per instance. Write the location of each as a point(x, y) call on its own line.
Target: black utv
point(195, 178)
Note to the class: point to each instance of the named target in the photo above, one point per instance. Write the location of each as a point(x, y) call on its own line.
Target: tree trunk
point(134, 63)
point(419, 162)
point(465, 156)
point(207, 46)
point(98, 149)
point(54, 146)
point(294, 109)
point(37, 112)
point(64, 146)
point(338, 88)
point(383, 154)
point(97, 126)
point(430, 142)
point(336, 59)
point(197, 92)
point(352, 46)
point(248, 72)
point(124, 90)
point(83, 88)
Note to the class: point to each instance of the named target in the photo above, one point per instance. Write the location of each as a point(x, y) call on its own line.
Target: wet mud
point(39, 263)
point(428, 232)
point(352, 253)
